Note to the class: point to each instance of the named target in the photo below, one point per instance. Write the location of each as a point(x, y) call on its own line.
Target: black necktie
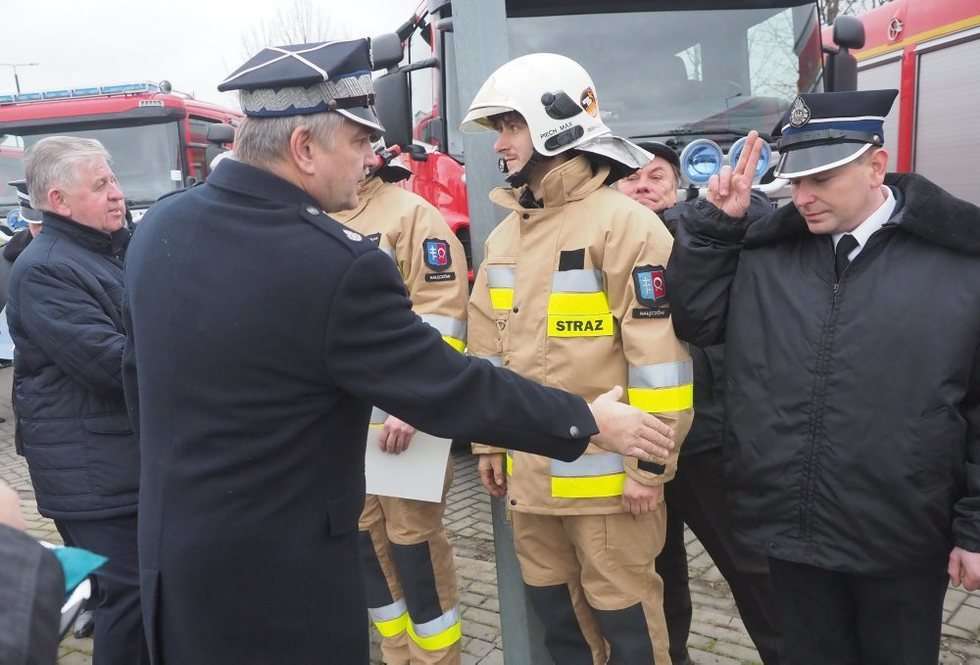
point(845, 246)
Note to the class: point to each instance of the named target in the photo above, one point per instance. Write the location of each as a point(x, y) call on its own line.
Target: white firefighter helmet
point(559, 103)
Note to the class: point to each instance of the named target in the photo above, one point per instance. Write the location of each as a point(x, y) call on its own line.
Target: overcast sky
point(194, 44)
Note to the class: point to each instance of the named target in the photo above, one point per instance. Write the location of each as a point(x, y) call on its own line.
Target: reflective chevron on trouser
point(390, 620)
point(440, 633)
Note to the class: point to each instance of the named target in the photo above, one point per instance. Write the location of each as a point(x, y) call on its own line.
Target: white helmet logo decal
point(589, 102)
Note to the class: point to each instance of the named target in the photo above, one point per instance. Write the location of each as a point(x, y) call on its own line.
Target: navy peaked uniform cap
point(824, 130)
point(302, 79)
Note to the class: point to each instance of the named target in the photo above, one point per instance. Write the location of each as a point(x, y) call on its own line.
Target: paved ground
point(718, 636)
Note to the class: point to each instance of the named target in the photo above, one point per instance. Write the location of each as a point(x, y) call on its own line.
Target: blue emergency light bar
point(75, 93)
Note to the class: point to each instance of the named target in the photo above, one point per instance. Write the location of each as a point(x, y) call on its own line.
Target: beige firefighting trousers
point(411, 579)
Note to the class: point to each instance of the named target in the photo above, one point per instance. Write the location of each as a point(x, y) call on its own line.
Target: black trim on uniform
point(563, 635)
point(418, 578)
point(627, 633)
point(375, 584)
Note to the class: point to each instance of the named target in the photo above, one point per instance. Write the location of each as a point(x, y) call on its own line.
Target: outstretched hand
point(731, 190)
point(626, 430)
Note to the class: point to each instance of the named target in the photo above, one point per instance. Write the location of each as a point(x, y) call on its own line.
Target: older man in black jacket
point(262, 331)
point(65, 315)
point(852, 324)
point(697, 495)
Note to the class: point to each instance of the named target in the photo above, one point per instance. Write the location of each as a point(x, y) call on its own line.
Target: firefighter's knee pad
point(628, 635)
point(564, 638)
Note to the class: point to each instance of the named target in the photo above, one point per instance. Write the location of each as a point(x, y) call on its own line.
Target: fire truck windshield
point(684, 73)
point(145, 158)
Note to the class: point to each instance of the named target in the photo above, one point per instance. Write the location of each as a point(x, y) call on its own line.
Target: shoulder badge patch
point(435, 253)
point(799, 113)
point(374, 237)
point(650, 285)
point(353, 235)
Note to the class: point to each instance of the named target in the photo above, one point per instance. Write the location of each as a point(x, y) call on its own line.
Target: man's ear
point(879, 166)
point(301, 150)
point(57, 202)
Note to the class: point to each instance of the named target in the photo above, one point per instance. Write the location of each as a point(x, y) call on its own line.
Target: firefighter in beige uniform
point(571, 293)
point(408, 561)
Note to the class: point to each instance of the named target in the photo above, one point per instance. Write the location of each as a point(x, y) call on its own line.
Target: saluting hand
point(730, 190)
point(628, 431)
point(395, 436)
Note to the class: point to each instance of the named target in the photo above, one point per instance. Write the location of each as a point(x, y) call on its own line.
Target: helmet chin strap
point(520, 177)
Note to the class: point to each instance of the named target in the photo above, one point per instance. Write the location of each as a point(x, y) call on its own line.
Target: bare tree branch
point(298, 23)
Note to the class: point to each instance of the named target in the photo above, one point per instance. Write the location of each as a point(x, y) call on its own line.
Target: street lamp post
point(15, 65)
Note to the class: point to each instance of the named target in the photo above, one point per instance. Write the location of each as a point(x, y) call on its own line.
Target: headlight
point(700, 160)
point(764, 157)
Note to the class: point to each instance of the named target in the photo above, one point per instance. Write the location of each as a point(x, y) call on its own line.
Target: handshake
point(628, 431)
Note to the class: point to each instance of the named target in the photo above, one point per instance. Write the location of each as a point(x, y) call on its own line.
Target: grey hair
point(260, 141)
point(52, 163)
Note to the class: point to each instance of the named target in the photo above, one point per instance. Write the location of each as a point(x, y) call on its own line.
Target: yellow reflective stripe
point(581, 326)
point(592, 487)
point(656, 400)
point(501, 298)
point(457, 344)
point(439, 641)
point(440, 633)
point(393, 627)
point(575, 304)
point(510, 464)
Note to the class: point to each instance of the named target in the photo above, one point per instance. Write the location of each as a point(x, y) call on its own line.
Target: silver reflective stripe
point(500, 278)
point(496, 361)
point(446, 325)
point(378, 416)
point(601, 464)
point(437, 625)
point(388, 612)
point(576, 281)
point(662, 375)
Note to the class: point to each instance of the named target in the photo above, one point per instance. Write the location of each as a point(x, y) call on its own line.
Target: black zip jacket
point(854, 407)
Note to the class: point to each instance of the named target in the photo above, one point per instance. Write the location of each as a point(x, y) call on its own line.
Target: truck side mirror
point(841, 64)
point(849, 32)
point(386, 51)
point(392, 103)
point(221, 133)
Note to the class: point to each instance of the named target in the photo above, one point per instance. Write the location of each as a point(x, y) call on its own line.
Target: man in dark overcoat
point(852, 328)
point(261, 332)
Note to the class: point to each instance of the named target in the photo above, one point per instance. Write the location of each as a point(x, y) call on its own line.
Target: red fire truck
point(679, 71)
point(159, 139)
point(930, 52)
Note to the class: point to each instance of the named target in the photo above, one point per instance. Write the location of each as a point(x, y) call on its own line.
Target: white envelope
point(418, 473)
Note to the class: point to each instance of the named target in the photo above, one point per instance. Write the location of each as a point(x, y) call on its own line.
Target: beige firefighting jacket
point(572, 295)
point(429, 257)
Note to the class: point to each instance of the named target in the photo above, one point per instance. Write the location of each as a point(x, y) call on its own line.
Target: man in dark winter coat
point(852, 324)
point(697, 496)
point(32, 589)
point(64, 310)
point(261, 332)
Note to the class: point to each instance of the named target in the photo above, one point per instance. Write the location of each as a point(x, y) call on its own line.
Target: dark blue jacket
point(262, 332)
point(65, 314)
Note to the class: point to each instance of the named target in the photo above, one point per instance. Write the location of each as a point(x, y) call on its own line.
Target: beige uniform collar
point(365, 192)
point(569, 181)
